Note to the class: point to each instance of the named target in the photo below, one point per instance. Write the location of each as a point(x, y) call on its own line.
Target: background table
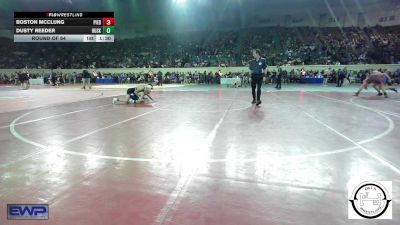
point(230, 81)
point(36, 81)
point(104, 80)
point(313, 80)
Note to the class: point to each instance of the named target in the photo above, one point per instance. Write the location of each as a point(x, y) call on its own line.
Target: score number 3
point(108, 21)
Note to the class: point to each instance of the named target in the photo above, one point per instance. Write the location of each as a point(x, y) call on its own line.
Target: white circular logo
point(370, 200)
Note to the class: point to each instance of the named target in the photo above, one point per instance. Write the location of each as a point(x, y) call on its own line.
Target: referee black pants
point(340, 82)
point(53, 80)
point(256, 81)
point(278, 83)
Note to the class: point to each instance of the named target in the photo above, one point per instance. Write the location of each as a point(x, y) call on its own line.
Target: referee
point(87, 76)
point(257, 67)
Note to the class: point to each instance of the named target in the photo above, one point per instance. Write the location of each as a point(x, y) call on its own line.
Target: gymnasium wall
point(224, 70)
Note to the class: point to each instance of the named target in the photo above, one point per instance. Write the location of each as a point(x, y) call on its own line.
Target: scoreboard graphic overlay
point(64, 26)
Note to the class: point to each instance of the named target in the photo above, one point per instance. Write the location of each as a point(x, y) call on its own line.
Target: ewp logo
point(27, 211)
